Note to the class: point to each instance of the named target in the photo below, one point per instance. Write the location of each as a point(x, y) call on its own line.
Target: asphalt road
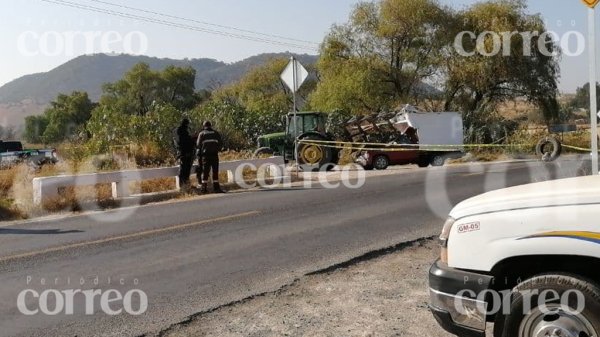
point(194, 255)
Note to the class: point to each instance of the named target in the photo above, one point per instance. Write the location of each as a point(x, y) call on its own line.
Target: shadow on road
point(14, 231)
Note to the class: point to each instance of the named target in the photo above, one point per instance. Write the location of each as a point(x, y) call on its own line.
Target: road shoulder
point(383, 296)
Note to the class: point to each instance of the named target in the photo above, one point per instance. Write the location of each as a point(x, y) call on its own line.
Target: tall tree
point(387, 51)
point(508, 55)
point(141, 88)
point(381, 56)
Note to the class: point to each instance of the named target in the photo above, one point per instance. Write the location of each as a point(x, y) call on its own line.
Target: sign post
point(593, 94)
point(294, 76)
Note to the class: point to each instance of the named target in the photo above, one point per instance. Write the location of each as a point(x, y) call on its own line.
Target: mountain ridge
point(28, 95)
point(89, 72)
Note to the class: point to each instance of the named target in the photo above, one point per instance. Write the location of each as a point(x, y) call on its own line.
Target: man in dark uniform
point(209, 144)
point(185, 153)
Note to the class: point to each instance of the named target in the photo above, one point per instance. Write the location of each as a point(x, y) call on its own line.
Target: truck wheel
point(550, 315)
point(381, 162)
point(263, 151)
point(438, 160)
point(549, 149)
point(423, 161)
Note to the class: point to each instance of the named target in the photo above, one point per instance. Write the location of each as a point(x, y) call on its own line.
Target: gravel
point(384, 296)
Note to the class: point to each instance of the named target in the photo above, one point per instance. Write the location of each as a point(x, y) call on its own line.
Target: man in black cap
point(209, 144)
point(185, 153)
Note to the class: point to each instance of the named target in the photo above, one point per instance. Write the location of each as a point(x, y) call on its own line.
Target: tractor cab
point(284, 143)
point(305, 122)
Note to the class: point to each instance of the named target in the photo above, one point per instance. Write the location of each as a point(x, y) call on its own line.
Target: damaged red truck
point(428, 138)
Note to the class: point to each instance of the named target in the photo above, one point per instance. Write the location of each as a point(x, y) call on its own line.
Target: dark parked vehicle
point(13, 153)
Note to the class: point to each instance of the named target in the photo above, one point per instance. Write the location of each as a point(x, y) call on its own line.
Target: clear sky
point(30, 30)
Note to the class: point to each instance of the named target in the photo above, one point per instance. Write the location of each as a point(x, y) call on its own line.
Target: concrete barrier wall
point(48, 187)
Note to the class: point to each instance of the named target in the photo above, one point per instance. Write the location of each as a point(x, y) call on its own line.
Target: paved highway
point(193, 255)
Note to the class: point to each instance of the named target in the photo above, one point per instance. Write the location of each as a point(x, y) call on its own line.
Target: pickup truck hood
point(572, 191)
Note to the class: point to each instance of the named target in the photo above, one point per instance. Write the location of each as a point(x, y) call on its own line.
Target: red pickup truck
point(380, 160)
point(426, 139)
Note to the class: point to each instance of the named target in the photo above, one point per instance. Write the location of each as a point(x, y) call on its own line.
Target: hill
point(28, 95)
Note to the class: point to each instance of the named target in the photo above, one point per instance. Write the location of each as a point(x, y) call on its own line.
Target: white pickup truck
point(526, 258)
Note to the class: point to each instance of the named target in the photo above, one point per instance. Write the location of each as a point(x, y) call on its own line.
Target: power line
point(175, 24)
point(204, 22)
point(178, 25)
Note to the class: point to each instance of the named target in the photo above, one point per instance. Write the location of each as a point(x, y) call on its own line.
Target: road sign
point(591, 3)
point(295, 74)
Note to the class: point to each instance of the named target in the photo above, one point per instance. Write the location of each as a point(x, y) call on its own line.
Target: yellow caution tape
point(357, 146)
point(577, 148)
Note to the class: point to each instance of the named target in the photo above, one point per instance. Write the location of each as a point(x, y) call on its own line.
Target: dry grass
point(9, 212)
point(16, 190)
point(517, 109)
point(154, 185)
point(7, 178)
point(72, 199)
point(235, 155)
point(579, 139)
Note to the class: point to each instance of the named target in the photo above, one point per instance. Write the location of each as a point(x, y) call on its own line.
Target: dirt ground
point(385, 296)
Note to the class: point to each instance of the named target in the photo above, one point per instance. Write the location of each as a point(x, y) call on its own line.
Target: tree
point(582, 97)
point(262, 90)
point(381, 56)
point(142, 87)
point(109, 127)
point(389, 50)
point(500, 67)
point(66, 116)
point(34, 128)
point(253, 106)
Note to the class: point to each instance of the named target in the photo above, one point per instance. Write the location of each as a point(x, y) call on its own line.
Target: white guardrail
point(48, 187)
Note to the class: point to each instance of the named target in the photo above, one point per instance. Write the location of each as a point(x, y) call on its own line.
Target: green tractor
point(307, 126)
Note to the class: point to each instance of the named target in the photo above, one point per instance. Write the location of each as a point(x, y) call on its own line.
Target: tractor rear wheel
point(313, 156)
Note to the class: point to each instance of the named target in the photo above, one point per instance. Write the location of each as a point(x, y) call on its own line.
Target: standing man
point(185, 153)
point(209, 144)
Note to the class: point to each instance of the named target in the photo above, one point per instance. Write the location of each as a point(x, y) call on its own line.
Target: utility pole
point(593, 94)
